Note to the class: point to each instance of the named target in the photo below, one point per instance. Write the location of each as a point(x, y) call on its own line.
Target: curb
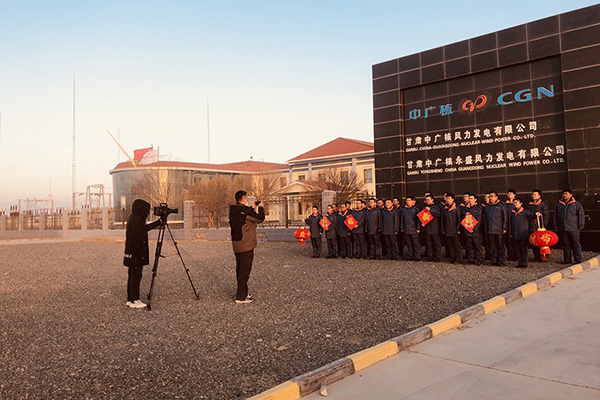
point(312, 381)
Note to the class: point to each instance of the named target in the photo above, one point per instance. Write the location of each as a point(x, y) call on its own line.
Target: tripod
point(161, 235)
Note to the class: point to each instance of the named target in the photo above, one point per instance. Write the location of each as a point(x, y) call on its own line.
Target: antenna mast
point(208, 128)
point(74, 173)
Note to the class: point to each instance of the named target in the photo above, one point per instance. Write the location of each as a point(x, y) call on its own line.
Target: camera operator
point(136, 249)
point(243, 220)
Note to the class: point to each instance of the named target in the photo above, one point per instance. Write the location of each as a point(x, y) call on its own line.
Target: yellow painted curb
point(370, 356)
point(528, 289)
point(576, 269)
point(444, 325)
point(593, 261)
point(286, 391)
point(555, 277)
point(493, 304)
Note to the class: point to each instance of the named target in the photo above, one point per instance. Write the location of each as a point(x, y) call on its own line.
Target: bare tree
point(214, 196)
point(158, 185)
point(265, 186)
point(345, 184)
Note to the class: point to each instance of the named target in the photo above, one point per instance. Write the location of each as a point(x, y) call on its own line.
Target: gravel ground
point(65, 331)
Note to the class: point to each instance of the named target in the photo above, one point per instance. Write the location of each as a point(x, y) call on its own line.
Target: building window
point(282, 181)
point(321, 177)
point(344, 175)
point(368, 175)
point(301, 177)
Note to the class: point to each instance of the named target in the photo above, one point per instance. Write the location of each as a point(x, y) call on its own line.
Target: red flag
point(469, 222)
point(139, 153)
point(425, 216)
point(325, 223)
point(350, 222)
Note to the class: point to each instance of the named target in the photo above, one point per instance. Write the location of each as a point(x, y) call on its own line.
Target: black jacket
point(569, 217)
point(434, 225)
point(496, 218)
point(518, 225)
point(136, 235)
point(410, 221)
point(332, 231)
point(343, 229)
point(314, 226)
point(243, 221)
point(542, 207)
point(390, 222)
point(451, 220)
point(478, 213)
point(373, 221)
point(360, 217)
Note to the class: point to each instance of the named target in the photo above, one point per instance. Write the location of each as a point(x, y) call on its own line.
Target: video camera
point(163, 211)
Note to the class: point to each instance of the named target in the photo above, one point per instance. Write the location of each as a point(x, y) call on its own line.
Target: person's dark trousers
point(474, 249)
point(444, 243)
point(345, 249)
point(392, 246)
point(571, 245)
point(521, 251)
point(332, 248)
point(400, 243)
point(316, 245)
point(497, 251)
point(134, 277)
point(360, 245)
point(413, 247)
point(433, 247)
point(454, 248)
point(486, 243)
point(384, 252)
point(511, 251)
point(243, 266)
point(374, 246)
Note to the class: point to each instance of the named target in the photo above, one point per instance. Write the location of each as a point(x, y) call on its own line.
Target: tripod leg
point(187, 271)
point(161, 235)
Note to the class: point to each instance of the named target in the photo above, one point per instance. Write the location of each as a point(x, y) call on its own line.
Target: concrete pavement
point(546, 346)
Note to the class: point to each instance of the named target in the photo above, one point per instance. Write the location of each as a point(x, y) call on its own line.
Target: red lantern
point(543, 239)
point(302, 234)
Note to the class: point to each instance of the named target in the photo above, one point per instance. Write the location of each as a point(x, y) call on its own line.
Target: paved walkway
point(546, 346)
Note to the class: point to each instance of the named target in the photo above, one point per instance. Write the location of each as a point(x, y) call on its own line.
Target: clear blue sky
point(282, 77)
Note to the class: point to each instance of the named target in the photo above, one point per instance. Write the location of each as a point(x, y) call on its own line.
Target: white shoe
point(137, 304)
point(128, 304)
point(248, 299)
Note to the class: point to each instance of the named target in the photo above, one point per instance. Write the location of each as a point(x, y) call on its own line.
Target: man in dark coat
point(432, 229)
point(315, 228)
point(538, 205)
point(399, 235)
point(518, 229)
point(372, 228)
point(569, 219)
point(474, 238)
point(497, 225)
point(137, 253)
point(451, 227)
point(390, 224)
point(358, 233)
point(243, 220)
point(345, 249)
point(411, 227)
point(381, 207)
point(331, 233)
point(511, 254)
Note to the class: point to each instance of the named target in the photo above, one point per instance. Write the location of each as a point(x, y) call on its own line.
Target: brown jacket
point(243, 220)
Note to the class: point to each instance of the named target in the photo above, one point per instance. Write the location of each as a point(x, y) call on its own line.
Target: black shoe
point(566, 262)
point(417, 260)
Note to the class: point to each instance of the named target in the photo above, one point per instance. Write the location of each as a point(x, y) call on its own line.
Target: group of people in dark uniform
point(492, 230)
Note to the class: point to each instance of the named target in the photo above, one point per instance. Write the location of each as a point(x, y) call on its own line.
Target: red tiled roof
point(336, 147)
point(242, 166)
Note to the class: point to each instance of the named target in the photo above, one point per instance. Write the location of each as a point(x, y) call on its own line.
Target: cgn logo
point(470, 106)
